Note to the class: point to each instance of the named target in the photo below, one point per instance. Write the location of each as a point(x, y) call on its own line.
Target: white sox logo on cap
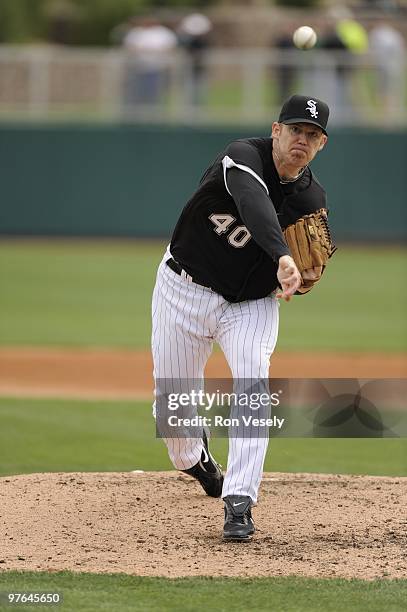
point(312, 108)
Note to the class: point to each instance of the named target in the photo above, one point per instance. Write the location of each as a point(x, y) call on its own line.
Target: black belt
point(175, 267)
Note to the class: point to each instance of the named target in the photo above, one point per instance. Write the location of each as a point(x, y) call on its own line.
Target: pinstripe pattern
point(248, 337)
point(187, 319)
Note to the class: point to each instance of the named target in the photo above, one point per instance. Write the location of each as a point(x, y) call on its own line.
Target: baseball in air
point(304, 37)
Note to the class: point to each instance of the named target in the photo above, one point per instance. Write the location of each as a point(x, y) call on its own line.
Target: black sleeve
point(257, 212)
point(244, 153)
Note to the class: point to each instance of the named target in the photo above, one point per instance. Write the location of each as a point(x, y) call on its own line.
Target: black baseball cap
point(305, 109)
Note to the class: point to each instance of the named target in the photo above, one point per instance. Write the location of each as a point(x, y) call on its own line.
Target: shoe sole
point(246, 538)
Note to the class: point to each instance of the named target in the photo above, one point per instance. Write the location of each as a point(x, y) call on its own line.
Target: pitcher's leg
point(181, 346)
point(248, 338)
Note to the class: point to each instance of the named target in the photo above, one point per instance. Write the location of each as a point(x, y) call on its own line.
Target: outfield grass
point(66, 435)
point(77, 293)
point(98, 293)
point(119, 593)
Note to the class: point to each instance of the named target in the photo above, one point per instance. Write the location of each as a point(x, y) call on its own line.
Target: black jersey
point(229, 236)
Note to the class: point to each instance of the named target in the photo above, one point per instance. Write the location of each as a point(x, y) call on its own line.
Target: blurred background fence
point(233, 85)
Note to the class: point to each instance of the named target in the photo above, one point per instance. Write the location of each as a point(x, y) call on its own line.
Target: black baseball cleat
point(207, 472)
point(239, 526)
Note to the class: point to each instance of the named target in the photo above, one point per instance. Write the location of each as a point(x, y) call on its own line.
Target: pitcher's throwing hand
point(288, 277)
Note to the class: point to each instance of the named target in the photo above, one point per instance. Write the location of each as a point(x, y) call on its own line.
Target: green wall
point(131, 180)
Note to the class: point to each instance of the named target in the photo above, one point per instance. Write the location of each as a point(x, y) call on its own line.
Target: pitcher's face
point(298, 143)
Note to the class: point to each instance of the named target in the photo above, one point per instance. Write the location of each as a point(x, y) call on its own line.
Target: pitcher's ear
point(323, 143)
point(275, 129)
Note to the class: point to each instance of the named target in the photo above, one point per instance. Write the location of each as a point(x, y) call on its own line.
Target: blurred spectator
point(147, 43)
point(193, 36)
point(388, 49)
point(345, 38)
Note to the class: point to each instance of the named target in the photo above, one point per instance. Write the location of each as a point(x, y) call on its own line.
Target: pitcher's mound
point(161, 524)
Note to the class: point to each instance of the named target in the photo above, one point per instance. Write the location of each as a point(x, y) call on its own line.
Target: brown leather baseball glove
point(309, 240)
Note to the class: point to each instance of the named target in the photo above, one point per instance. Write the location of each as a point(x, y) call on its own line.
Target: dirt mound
point(160, 524)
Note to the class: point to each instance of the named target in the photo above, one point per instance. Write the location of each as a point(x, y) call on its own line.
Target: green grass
point(66, 435)
point(92, 592)
point(62, 435)
point(78, 293)
point(360, 304)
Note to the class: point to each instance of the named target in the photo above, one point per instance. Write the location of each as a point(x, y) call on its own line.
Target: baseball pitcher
point(254, 231)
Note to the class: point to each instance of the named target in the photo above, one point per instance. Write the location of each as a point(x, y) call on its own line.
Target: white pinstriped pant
point(187, 319)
